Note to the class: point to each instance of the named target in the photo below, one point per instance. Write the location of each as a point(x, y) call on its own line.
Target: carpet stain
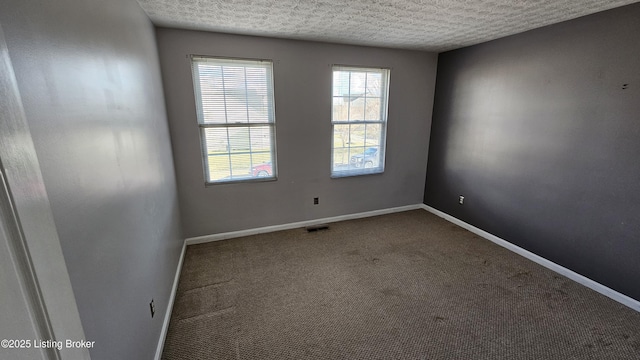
point(561, 292)
point(373, 260)
point(420, 254)
point(212, 285)
point(439, 319)
point(227, 311)
point(391, 292)
point(520, 274)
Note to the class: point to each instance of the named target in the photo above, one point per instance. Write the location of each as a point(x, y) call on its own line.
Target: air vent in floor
point(319, 227)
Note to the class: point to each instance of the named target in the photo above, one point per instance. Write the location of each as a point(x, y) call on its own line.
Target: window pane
point(356, 108)
point(356, 135)
point(261, 159)
point(373, 109)
point(373, 135)
point(374, 83)
point(239, 140)
point(356, 160)
point(219, 167)
point(235, 94)
point(357, 83)
point(340, 83)
point(340, 147)
point(216, 150)
point(211, 95)
point(258, 96)
point(340, 159)
point(240, 166)
point(340, 108)
point(216, 140)
point(261, 164)
point(261, 138)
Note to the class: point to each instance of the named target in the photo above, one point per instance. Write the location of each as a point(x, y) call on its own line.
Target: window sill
point(248, 179)
point(351, 173)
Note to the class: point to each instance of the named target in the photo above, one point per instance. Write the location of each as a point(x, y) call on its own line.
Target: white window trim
point(384, 95)
point(203, 126)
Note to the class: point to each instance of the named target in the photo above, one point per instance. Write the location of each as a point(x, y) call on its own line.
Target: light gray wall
point(542, 137)
point(302, 84)
point(89, 77)
point(36, 301)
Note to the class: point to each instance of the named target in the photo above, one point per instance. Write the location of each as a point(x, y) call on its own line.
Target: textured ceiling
point(433, 25)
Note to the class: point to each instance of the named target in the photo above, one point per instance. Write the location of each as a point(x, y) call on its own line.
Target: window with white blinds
point(358, 120)
point(235, 108)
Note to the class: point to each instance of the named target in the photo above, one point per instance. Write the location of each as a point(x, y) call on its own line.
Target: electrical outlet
point(315, 201)
point(152, 306)
point(461, 200)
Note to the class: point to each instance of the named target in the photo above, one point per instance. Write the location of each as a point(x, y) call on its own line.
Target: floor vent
point(314, 228)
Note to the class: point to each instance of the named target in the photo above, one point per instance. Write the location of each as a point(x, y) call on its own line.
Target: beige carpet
point(401, 286)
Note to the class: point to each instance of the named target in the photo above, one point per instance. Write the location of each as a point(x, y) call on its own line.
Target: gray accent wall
point(302, 85)
point(89, 78)
point(540, 134)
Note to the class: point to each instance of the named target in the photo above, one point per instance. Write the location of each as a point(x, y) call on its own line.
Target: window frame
point(203, 126)
point(384, 112)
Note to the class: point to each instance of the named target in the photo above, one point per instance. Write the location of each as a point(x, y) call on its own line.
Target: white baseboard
point(608, 292)
point(295, 225)
point(172, 297)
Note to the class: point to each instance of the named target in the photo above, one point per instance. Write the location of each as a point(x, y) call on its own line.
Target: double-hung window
point(359, 120)
point(235, 110)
